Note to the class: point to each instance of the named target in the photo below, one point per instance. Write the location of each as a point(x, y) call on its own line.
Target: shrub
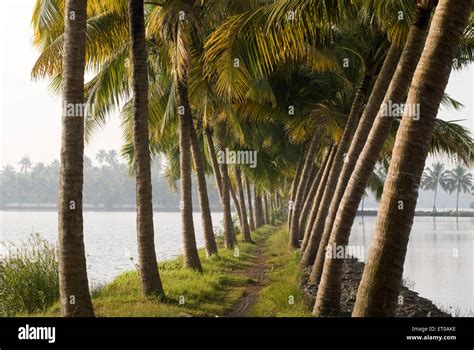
point(29, 277)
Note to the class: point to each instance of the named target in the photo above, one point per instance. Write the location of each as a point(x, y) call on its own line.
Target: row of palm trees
point(300, 82)
point(455, 180)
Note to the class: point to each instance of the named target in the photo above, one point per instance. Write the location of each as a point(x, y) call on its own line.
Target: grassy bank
point(281, 297)
point(212, 293)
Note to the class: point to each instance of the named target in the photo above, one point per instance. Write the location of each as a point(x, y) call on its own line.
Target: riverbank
point(411, 304)
point(259, 279)
point(218, 209)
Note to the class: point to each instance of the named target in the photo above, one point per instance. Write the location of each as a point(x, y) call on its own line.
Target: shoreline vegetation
point(442, 213)
point(260, 279)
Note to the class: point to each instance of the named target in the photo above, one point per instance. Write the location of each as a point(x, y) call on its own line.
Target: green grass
point(282, 296)
point(28, 277)
point(212, 293)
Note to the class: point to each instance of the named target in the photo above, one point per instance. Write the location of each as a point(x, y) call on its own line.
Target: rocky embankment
point(413, 304)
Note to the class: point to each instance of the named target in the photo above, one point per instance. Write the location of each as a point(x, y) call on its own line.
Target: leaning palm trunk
point(294, 188)
point(380, 284)
point(351, 125)
point(370, 112)
point(240, 190)
point(148, 267)
point(317, 199)
point(190, 251)
point(73, 283)
point(330, 286)
point(206, 218)
point(300, 192)
point(214, 162)
point(236, 201)
point(312, 194)
point(249, 200)
point(229, 232)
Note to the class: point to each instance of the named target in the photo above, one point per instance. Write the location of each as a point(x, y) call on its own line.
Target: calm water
point(110, 238)
point(439, 262)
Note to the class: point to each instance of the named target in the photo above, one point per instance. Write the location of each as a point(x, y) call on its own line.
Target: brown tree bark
point(312, 194)
point(190, 251)
point(300, 192)
point(294, 188)
point(148, 267)
point(351, 125)
point(249, 201)
point(332, 271)
point(206, 218)
point(317, 199)
point(380, 285)
point(240, 190)
point(358, 141)
point(73, 283)
point(229, 232)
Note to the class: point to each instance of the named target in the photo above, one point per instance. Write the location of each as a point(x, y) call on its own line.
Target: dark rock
point(413, 305)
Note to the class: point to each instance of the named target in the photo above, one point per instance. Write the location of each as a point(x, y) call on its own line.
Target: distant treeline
point(108, 186)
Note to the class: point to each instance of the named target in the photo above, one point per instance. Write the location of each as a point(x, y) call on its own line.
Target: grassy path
point(255, 274)
point(259, 279)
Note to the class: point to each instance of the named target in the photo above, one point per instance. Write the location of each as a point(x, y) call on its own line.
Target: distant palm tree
point(459, 180)
point(101, 156)
point(111, 157)
point(25, 164)
point(432, 178)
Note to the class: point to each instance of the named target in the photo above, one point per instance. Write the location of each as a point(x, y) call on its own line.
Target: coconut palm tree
point(73, 283)
point(112, 157)
point(433, 178)
point(459, 180)
point(25, 164)
point(329, 289)
point(148, 267)
point(101, 156)
point(380, 284)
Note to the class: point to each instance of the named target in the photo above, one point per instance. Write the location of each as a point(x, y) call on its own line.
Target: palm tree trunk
point(249, 200)
point(294, 188)
point(190, 251)
point(258, 208)
point(300, 192)
point(73, 283)
point(370, 154)
point(317, 199)
point(351, 125)
point(240, 190)
point(235, 199)
point(206, 218)
point(148, 267)
point(370, 112)
point(311, 194)
point(214, 162)
point(266, 209)
point(229, 232)
point(457, 201)
point(434, 200)
point(380, 284)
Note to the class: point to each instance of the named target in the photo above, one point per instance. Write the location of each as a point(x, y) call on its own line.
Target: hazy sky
point(30, 117)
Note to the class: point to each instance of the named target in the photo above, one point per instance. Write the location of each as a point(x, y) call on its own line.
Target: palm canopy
point(245, 101)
